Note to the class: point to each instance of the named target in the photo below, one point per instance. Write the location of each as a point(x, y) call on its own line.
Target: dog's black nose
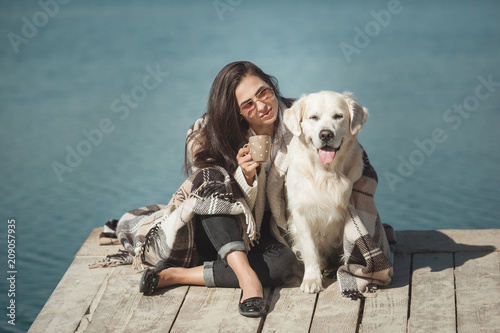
point(326, 135)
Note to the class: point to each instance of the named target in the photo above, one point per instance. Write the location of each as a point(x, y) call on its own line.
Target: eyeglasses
point(266, 95)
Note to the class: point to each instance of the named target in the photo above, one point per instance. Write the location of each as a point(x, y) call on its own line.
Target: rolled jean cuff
point(208, 274)
point(232, 246)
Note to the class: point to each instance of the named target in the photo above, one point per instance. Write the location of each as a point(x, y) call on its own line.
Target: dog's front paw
point(311, 286)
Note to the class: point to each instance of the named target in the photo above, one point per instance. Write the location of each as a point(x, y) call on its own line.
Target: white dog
point(325, 160)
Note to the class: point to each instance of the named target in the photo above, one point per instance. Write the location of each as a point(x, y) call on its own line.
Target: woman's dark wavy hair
point(225, 130)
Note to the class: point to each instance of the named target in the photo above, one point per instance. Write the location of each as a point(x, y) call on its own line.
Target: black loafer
point(149, 281)
point(252, 307)
point(150, 278)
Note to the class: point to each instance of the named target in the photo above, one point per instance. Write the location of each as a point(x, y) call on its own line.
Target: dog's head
point(325, 120)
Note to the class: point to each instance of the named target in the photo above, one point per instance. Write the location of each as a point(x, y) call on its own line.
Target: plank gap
point(455, 289)
point(432, 305)
point(409, 294)
point(89, 314)
point(268, 306)
point(313, 312)
point(80, 328)
point(179, 309)
point(360, 314)
point(388, 311)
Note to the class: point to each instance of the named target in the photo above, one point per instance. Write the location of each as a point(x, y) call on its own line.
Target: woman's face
point(264, 113)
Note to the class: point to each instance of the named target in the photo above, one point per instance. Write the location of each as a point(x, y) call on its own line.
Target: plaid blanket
point(368, 245)
point(166, 232)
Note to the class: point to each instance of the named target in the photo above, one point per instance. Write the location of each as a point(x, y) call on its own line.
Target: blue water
point(68, 78)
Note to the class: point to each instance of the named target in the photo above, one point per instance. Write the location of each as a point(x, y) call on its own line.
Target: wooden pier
point(445, 281)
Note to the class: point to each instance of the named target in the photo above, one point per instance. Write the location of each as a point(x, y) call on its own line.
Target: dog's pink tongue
point(326, 155)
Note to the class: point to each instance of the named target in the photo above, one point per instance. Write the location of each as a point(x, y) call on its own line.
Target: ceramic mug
point(260, 148)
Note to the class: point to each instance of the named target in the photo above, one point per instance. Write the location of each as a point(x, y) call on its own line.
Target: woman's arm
point(246, 175)
point(249, 190)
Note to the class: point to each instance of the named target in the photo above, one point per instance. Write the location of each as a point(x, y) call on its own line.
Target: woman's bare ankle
point(247, 278)
point(251, 288)
point(181, 276)
point(167, 278)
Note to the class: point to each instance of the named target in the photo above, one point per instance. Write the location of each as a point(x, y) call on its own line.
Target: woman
point(226, 226)
point(243, 101)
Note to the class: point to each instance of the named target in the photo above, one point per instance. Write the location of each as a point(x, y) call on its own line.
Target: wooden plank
point(91, 246)
point(388, 311)
point(118, 302)
point(157, 313)
point(335, 313)
point(432, 294)
point(447, 241)
point(213, 310)
point(72, 297)
point(478, 291)
point(107, 299)
point(291, 310)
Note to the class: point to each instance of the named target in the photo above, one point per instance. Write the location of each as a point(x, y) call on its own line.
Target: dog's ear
point(293, 116)
point(357, 112)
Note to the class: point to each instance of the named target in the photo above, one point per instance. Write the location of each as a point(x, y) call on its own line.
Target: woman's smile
point(264, 114)
point(267, 114)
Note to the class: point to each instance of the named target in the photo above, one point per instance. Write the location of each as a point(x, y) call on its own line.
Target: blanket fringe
point(113, 260)
point(137, 263)
point(140, 257)
point(352, 294)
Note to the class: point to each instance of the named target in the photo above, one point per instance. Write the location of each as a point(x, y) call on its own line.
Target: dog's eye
point(313, 117)
point(338, 116)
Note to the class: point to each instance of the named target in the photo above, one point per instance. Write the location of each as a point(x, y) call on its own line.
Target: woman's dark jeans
point(217, 235)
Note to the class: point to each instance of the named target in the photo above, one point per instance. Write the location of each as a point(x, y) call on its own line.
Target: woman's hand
point(247, 164)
